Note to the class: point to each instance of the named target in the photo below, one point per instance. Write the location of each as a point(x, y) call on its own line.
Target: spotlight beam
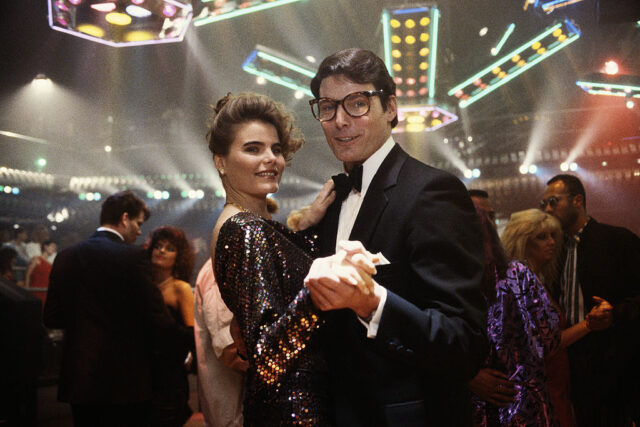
point(25, 137)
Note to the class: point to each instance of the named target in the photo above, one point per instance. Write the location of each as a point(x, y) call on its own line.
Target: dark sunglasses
point(551, 201)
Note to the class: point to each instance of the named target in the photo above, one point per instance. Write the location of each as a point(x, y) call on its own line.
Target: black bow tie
point(344, 183)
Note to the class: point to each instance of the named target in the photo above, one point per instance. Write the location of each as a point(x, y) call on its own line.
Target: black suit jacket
point(101, 294)
point(606, 364)
point(431, 337)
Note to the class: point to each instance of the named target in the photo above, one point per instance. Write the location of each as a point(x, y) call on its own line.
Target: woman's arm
point(573, 334)
point(185, 301)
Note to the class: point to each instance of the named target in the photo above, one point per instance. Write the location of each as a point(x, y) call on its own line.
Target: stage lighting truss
point(423, 118)
point(279, 68)
point(120, 23)
point(410, 48)
point(515, 63)
point(219, 10)
point(626, 86)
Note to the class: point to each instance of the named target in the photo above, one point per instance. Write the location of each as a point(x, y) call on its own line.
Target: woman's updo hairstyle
point(233, 110)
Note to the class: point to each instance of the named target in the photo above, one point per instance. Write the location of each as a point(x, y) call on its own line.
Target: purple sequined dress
point(260, 266)
point(522, 328)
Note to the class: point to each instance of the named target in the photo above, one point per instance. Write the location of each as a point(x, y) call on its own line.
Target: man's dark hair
point(119, 203)
point(573, 184)
point(478, 193)
point(18, 231)
point(360, 66)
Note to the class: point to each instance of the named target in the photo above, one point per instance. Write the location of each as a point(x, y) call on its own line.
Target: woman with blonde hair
point(534, 238)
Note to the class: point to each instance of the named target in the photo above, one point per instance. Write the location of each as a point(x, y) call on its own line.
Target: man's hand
point(344, 280)
point(494, 387)
point(601, 316)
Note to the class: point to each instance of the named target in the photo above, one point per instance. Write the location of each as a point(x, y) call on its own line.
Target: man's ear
point(124, 220)
point(392, 108)
point(578, 200)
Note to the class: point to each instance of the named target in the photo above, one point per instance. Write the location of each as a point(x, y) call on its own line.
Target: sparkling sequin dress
point(523, 327)
point(260, 266)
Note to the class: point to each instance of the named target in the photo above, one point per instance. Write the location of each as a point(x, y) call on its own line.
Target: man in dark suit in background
point(402, 354)
point(101, 294)
point(602, 262)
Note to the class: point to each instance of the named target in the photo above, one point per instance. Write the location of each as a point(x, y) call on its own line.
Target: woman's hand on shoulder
point(312, 215)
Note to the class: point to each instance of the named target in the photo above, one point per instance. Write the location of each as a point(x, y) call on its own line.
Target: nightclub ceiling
point(150, 103)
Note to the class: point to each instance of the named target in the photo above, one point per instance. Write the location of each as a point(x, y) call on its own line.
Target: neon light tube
point(550, 6)
point(239, 12)
point(435, 18)
point(299, 79)
point(387, 41)
point(505, 36)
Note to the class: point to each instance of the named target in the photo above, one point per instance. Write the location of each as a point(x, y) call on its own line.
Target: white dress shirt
point(349, 213)
point(111, 230)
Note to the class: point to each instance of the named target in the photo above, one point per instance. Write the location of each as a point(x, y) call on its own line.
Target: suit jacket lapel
point(377, 197)
point(329, 229)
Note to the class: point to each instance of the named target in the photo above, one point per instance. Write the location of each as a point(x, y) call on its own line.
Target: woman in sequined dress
point(260, 265)
point(522, 327)
point(172, 261)
point(533, 237)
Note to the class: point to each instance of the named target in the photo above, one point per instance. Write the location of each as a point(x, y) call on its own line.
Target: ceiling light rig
point(120, 23)
point(219, 10)
point(515, 63)
point(625, 86)
point(280, 69)
point(411, 46)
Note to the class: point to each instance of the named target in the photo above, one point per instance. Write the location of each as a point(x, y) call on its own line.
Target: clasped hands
point(601, 315)
point(344, 280)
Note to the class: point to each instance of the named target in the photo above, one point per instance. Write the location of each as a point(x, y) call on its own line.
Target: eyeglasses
point(551, 201)
point(355, 104)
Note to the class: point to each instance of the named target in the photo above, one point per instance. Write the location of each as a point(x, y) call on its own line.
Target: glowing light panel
point(515, 63)
point(411, 44)
point(423, 118)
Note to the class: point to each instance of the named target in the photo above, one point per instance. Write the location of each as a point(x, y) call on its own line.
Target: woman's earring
point(221, 172)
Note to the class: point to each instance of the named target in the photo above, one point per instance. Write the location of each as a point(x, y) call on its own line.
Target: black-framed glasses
point(551, 201)
point(355, 104)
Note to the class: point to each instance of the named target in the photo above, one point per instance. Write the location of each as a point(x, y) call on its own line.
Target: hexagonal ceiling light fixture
point(120, 23)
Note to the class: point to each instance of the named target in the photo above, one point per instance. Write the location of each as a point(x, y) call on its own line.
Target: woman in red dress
point(37, 275)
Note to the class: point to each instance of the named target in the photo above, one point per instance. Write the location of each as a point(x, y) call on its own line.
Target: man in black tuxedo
point(601, 267)
point(402, 354)
point(101, 294)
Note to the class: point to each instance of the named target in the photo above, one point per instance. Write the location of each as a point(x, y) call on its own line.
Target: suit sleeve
point(438, 324)
point(629, 261)
point(247, 278)
point(59, 284)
